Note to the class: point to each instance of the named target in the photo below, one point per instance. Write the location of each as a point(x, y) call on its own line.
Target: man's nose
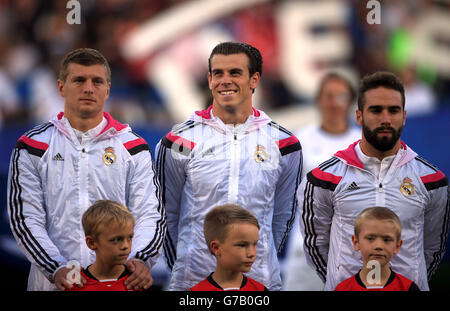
point(88, 86)
point(386, 118)
point(226, 79)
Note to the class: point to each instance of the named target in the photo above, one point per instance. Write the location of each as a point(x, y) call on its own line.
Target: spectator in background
point(334, 98)
point(9, 100)
point(419, 96)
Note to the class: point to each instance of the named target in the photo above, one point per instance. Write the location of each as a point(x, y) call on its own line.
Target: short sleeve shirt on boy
point(247, 284)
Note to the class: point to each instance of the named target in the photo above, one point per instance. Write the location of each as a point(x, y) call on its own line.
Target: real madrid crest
point(109, 157)
point(407, 187)
point(260, 154)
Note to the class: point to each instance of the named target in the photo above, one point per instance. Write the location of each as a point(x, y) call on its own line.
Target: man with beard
point(378, 170)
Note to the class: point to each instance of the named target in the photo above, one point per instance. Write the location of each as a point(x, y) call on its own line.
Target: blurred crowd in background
point(34, 35)
point(158, 52)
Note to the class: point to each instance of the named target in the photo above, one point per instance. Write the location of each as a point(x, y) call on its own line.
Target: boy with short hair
point(108, 227)
point(231, 233)
point(378, 238)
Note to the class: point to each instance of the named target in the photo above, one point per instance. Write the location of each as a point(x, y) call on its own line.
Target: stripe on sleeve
point(178, 143)
point(310, 233)
point(288, 145)
point(18, 224)
point(168, 245)
point(294, 206)
point(437, 256)
point(33, 147)
point(435, 180)
point(322, 179)
point(152, 249)
point(136, 146)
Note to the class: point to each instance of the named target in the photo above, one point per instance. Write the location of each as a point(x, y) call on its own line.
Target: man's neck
point(233, 115)
point(84, 124)
point(371, 151)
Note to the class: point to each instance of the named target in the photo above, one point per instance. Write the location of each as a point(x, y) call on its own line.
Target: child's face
point(113, 245)
point(377, 240)
point(238, 251)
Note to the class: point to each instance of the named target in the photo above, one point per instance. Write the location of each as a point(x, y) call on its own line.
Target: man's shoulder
point(36, 141)
point(286, 141)
point(184, 136)
point(328, 174)
point(133, 142)
point(430, 175)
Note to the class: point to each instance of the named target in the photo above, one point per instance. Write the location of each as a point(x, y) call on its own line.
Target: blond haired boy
point(378, 238)
point(231, 233)
point(108, 227)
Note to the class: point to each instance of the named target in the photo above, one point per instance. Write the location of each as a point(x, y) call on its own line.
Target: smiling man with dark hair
point(230, 153)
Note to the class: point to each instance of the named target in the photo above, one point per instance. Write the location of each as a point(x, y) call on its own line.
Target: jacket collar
point(111, 129)
point(253, 122)
point(350, 157)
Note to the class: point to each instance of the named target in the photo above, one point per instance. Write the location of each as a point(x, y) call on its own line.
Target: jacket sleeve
point(144, 202)
point(316, 213)
point(436, 220)
point(171, 171)
point(26, 209)
point(285, 205)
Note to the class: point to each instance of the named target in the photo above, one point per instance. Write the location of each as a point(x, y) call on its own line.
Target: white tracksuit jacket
point(203, 163)
point(335, 192)
point(53, 179)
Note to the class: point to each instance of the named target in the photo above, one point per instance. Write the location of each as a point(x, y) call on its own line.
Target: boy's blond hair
point(215, 226)
point(379, 213)
point(102, 213)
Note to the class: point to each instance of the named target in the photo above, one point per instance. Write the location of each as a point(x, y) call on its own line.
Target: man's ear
point(209, 81)
point(254, 80)
point(61, 87)
point(359, 117)
point(108, 89)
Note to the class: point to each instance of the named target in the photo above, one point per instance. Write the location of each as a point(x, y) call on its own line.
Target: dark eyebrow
point(239, 70)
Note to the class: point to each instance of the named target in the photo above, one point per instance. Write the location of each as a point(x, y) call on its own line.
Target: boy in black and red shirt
point(378, 237)
point(231, 233)
point(108, 227)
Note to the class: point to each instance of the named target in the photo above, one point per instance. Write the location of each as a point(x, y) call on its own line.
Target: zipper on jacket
point(233, 180)
point(380, 188)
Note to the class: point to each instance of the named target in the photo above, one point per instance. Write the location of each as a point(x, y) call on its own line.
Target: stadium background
point(158, 53)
